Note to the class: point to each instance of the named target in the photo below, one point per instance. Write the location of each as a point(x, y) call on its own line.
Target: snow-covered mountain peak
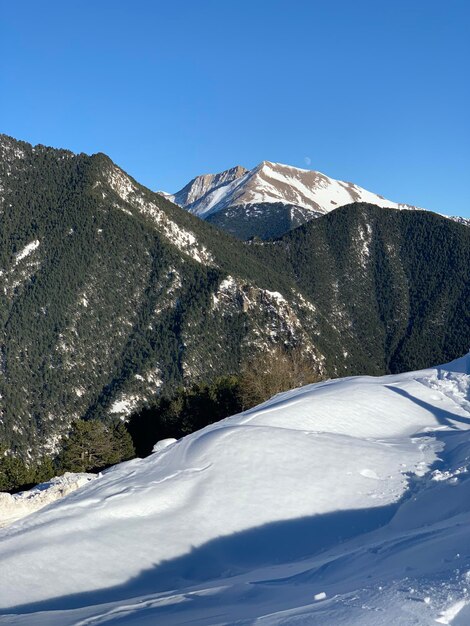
point(273, 165)
point(272, 183)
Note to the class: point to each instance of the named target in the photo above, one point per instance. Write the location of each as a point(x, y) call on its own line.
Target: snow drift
point(18, 505)
point(343, 502)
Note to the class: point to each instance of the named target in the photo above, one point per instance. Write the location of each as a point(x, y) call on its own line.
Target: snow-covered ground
point(18, 505)
point(343, 502)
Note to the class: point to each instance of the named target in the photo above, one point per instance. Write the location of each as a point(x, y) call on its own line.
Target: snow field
point(343, 502)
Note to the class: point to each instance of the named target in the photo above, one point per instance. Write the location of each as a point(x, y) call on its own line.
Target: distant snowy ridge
point(273, 183)
point(460, 220)
point(343, 502)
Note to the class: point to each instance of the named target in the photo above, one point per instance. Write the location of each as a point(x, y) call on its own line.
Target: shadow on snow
point(271, 544)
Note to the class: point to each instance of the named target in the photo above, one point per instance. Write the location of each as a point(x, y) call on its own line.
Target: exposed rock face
point(200, 186)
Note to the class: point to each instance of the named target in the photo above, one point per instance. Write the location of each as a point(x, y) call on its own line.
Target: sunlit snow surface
point(344, 502)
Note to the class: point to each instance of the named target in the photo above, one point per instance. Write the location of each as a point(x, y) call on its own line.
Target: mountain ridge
point(270, 185)
point(201, 185)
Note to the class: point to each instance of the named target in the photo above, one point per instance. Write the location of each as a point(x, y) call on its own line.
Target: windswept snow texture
point(343, 502)
point(272, 183)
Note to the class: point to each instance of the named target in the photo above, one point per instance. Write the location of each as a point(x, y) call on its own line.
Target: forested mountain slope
point(112, 293)
point(395, 284)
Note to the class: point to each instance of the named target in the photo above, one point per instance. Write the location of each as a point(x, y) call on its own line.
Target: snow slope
point(343, 502)
point(272, 183)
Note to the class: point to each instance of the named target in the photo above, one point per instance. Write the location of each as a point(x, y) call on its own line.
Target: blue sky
point(376, 92)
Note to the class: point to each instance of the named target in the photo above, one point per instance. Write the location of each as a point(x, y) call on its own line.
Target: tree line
point(93, 445)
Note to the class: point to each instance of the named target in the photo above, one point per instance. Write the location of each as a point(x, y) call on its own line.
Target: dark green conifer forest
point(114, 297)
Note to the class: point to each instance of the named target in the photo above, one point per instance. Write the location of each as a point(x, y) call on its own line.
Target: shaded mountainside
point(266, 220)
point(112, 293)
point(394, 285)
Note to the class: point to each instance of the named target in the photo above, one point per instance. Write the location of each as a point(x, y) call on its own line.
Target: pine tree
point(92, 445)
point(14, 472)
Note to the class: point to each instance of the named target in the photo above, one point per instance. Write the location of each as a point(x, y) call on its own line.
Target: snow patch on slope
point(178, 236)
point(364, 239)
point(26, 251)
point(25, 264)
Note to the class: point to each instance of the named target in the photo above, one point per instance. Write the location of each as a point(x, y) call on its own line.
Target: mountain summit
point(270, 199)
